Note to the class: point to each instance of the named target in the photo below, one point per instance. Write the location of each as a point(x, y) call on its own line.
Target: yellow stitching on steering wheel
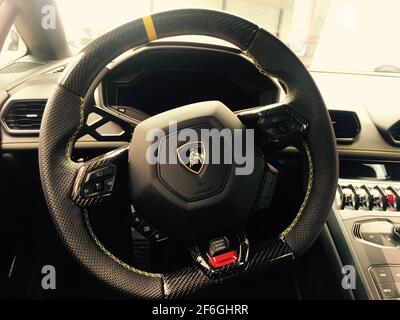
point(308, 193)
point(108, 253)
point(68, 148)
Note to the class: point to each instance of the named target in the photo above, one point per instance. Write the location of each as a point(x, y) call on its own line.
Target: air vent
point(346, 125)
point(357, 230)
point(395, 132)
point(18, 67)
point(24, 116)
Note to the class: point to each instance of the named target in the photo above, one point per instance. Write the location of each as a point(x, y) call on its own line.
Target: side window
point(13, 47)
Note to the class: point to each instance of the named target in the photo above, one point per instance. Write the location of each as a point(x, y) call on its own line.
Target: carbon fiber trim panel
point(186, 282)
point(226, 271)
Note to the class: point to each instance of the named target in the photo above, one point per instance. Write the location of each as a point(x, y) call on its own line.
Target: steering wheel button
point(146, 229)
point(109, 184)
point(224, 259)
point(283, 129)
point(88, 190)
point(158, 236)
point(264, 122)
point(101, 173)
point(218, 246)
point(293, 127)
point(274, 132)
point(137, 220)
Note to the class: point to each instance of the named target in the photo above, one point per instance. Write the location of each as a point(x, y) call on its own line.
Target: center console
point(365, 225)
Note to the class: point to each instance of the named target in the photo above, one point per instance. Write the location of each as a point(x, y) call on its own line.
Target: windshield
point(337, 35)
point(13, 47)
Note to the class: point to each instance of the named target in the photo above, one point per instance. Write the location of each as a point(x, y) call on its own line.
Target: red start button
point(224, 259)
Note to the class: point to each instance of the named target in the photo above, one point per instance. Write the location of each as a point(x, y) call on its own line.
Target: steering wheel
point(184, 204)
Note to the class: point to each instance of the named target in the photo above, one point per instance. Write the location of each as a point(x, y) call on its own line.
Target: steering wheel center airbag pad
point(65, 113)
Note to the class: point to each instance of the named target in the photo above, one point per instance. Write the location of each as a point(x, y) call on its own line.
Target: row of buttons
point(265, 195)
point(278, 125)
point(99, 182)
point(387, 281)
point(145, 228)
point(364, 197)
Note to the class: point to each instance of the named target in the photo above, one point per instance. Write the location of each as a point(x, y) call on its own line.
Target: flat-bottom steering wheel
point(182, 202)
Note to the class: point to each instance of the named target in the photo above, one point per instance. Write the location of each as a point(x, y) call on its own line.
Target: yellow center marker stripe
point(150, 29)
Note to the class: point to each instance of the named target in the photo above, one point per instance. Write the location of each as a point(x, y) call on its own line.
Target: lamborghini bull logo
point(196, 150)
point(195, 158)
point(192, 156)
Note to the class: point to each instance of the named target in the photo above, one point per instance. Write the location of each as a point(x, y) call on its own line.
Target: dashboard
point(162, 78)
point(164, 75)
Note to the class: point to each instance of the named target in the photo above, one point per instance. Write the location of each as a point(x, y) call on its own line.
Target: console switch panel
point(369, 197)
point(387, 281)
